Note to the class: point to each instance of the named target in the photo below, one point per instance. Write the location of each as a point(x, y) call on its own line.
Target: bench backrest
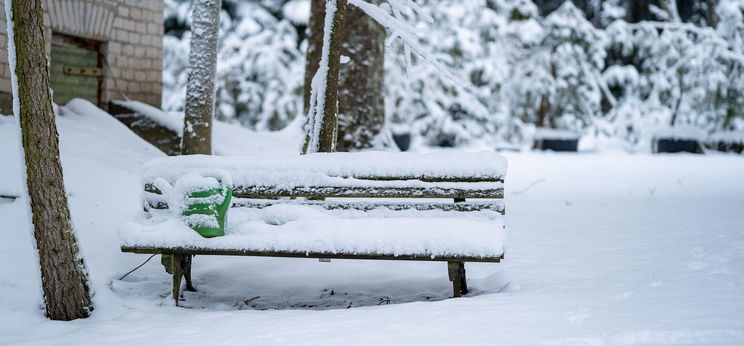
point(259, 180)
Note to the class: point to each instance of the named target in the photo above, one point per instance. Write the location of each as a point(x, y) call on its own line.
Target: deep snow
point(609, 249)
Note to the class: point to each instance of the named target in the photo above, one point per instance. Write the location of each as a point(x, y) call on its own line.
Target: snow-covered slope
point(229, 138)
point(603, 250)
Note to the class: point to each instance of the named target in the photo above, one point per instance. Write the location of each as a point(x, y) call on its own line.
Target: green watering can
point(206, 210)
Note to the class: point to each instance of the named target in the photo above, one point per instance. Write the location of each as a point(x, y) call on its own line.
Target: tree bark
point(312, 58)
point(361, 104)
point(543, 112)
point(64, 276)
point(197, 131)
point(323, 108)
point(314, 47)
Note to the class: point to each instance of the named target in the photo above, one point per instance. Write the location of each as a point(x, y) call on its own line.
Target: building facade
point(99, 50)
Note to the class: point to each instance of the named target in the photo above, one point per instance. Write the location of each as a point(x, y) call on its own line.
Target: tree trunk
point(314, 47)
point(361, 104)
point(64, 276)
point(312, 58)
point(711, 17)
point(197, 131)
point(323, 107)
point(543, 111)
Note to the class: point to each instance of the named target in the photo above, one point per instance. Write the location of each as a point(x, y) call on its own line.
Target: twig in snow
point(531, 185)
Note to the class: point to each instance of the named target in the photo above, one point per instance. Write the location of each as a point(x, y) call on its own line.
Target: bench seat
point(310, 231)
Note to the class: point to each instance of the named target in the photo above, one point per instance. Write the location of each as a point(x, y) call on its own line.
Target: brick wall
point(131, 33)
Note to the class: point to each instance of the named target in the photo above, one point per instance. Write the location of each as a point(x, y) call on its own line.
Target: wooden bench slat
point(368, 206)
point(291, 254)
point(365, 192)
point(496, 206)
point(495, 191)
point(432, 179)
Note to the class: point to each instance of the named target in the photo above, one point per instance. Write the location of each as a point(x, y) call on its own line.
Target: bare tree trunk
point(323, 107)
point(312, 58)
point(543, 111)
point(205, 24)
point(361, 104)
point(64, 276)
point(711, 17)
point(314, 47)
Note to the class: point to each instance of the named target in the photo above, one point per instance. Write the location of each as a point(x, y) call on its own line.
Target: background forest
point(614, 70)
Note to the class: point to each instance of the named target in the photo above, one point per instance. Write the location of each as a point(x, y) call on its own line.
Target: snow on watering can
point(202, 201)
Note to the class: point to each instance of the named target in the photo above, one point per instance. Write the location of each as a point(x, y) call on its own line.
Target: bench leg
point(187, 272)
point(179, 266)
point(177, 271)
point(456, 272)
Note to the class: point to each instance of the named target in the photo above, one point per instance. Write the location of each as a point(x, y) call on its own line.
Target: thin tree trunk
point(323, 108)
point(679, 100)
point(197, 131)
point(543, 111)
point(711, 17)
point(312, 58)
point(64, 276)
point(314, 47)
point(361, 104)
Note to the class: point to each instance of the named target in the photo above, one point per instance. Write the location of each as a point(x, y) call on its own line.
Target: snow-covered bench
point(372, 205)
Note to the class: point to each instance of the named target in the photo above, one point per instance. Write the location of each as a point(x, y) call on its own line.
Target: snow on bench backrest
point(367, 174)
point(250, 170)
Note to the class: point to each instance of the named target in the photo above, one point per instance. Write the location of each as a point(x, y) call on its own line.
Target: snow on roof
point(546, 133)
point(727, 137)
point(171, 121)
point(680, 132)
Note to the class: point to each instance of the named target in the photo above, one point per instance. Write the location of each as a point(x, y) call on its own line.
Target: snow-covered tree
point(557, 71)
point(259, 73)
point(361, 103)
point(64, 276)
point(680, 74)
point(199, 109)
point(322, 115)
point(730, 27)
point(462, 36)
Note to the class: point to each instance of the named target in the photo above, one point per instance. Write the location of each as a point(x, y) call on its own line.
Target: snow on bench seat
point(312, 231)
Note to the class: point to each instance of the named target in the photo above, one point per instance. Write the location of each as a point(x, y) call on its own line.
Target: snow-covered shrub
point(681, 74)
point(462, 36)
point(555, 66)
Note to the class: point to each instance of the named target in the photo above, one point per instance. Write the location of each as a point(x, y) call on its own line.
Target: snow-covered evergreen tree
point(259, 72)
point(680, 74)
point(500, 67)
point(462, 35)
point(556, 67)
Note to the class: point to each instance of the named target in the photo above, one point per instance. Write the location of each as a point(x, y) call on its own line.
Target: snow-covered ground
point(609, 249)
